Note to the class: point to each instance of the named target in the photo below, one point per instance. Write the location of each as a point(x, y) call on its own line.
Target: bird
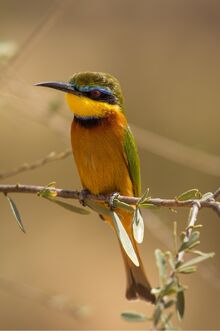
point(106, 155)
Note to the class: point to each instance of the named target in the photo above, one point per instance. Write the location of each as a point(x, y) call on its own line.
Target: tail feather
point(138, 286)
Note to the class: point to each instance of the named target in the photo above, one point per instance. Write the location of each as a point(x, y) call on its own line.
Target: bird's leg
point(83, 195)
point(111, 199)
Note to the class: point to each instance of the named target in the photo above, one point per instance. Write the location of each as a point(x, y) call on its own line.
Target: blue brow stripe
point(92, 88)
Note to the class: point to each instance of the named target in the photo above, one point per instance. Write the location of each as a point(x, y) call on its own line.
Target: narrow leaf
point(124, 239)
point(147, 205)
point(157, 315)
point(123, 205)
point(187, 270)
point(138, 226)
point(170, 288)
point(198, 252)
point(69, 207)
point(169, 303)
point(197, 259)
point(51, 184)
point(144, 196)
point(207, 196)
point(101, 209)
point(134, 317)
point(189, 195)
point(16, 213)
point(189, 243)
point(47, 193)
point(165, 322)
point(170, 259)
point(161, 263)
point(180, 304)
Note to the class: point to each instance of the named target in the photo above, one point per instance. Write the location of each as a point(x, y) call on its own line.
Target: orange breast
point(99, 156)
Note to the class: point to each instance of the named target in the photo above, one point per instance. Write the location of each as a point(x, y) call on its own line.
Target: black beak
point(65, 87)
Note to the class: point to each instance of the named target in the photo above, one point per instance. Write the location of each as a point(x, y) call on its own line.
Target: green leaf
point(187, 270)
point(165, 322)
point(197, 259)
point(199, 252)
point(134, 317)
point(51, 184)
point(47, 193)
point(101, 209)
point(170, 259)
point(170, 288)
point(147, 205)
point(157, 315)
point(124, 239)
point(180, 304)
point(123, 205)
point(161, 263)
point(69, 207)
point(16, 213)
point(144, 196)
point(207, 196)
point(169, 303)
point(189, 195)
point(138, 226)
point(193, 239)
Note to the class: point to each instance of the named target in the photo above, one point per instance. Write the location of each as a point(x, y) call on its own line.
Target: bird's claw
point(111, 200)
point(82, 196)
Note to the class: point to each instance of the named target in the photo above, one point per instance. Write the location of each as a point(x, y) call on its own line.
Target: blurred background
point(66, 272)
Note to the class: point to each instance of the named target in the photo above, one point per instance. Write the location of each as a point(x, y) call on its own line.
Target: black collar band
point(88, 121)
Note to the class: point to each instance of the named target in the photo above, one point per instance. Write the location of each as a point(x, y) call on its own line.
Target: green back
point(132, 159)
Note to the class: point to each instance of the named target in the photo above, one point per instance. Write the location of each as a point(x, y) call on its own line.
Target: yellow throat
point(86, 107)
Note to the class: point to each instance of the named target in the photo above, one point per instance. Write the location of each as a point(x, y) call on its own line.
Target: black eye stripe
point(95, 94)
point(104, 97)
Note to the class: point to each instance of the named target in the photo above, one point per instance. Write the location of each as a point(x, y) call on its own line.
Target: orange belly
point(99, 156)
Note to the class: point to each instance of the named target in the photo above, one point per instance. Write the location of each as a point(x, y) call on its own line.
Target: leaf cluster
point(170, 294)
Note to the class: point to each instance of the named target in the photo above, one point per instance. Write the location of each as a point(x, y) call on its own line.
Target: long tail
point(138, 286)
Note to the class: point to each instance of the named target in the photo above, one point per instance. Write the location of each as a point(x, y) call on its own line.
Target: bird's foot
point(111, 200)
point(83, 195)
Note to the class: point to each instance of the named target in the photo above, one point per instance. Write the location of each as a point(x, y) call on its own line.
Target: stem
point(71, 194)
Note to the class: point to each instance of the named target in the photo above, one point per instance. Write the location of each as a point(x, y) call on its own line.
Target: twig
point(52, 156)
point(191, 223)
point(160, 231)
point(70, 194)
point(47, 22)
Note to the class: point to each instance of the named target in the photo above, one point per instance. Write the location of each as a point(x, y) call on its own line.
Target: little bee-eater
point(105, 154)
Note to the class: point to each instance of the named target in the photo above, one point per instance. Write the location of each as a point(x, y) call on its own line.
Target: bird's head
point(91, 94)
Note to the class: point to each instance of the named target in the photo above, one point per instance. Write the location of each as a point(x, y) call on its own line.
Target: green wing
point(132, 158)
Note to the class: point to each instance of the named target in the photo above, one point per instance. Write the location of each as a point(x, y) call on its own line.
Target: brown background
point(66, 272)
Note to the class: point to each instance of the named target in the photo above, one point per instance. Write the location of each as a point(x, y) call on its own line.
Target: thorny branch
point(51, 157)
point(196, 204)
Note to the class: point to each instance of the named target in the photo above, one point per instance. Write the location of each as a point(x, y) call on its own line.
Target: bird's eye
point(95, 94)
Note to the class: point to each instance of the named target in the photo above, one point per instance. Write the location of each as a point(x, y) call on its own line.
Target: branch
point(191, 223)
point(70, 194)
point(170, 298)
point(51, 157)
point(170, 294)
point(47, 22)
